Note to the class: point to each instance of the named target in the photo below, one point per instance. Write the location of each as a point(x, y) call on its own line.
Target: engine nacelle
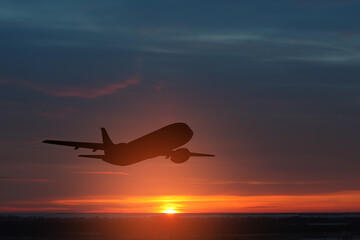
point(180, 155)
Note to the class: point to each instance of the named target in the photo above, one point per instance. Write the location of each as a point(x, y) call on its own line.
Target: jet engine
point(180, 155)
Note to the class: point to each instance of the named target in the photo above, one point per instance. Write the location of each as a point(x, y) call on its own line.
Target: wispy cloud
point(279, 45)
point(31, 209)
point(42, 180)
point(79, 92)
point(227, 182)
point(336, 202)
point(105, 173)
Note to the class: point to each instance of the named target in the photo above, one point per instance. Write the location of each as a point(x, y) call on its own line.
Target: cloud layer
point(102, 173)
point(78, 92)
point(338, 202)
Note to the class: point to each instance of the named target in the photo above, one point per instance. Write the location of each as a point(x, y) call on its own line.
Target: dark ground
point(182, 226)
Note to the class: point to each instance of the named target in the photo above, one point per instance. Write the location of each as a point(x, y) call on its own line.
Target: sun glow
point(171, 205)
point(170, 211)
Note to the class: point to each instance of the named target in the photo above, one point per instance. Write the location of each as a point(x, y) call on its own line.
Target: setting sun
point(170, 211)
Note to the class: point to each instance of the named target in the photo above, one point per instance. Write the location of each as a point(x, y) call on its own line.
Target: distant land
point(181, 226)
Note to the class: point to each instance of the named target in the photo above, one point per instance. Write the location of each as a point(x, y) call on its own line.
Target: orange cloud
point(226, 182)
point(336, 202)
point(110, 173)
point(80, 92)
point(30, 209)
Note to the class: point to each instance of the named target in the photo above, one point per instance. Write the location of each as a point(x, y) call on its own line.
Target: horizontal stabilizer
point(201, 155)
point(92, 156)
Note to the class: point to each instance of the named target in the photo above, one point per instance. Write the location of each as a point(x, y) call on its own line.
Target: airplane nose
point(184, 130)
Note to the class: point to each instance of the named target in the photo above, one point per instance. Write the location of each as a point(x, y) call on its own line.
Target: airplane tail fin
point(105, 137)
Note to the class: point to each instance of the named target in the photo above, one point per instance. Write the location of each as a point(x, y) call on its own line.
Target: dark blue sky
point(271, 87)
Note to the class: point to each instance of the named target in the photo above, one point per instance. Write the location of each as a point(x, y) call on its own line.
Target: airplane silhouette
point(162, 142)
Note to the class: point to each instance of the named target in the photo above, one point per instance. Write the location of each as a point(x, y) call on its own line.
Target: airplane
point(162, 142)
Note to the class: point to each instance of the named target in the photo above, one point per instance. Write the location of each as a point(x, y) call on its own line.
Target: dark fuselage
point(158, 143)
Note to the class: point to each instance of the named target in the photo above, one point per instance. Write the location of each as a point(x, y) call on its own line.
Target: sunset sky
point(272, 88)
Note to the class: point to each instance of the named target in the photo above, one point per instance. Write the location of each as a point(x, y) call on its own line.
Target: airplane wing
point(201, 154)
point(76, 145)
